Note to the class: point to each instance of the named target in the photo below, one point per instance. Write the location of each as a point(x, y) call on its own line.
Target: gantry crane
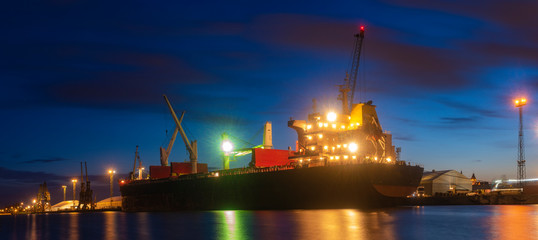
point(192, 147)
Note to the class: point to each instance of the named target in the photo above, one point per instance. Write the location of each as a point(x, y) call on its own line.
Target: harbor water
point(428, 222)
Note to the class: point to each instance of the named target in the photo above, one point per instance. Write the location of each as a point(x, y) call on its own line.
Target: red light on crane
point(362, 28)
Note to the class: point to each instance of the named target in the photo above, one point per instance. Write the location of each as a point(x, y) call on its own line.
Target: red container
point(202, 168)
point(180, 168)
point(157, 172)
point(270, 157)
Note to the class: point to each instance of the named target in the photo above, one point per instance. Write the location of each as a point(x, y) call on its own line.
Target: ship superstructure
point(351, 135)
point(332, 138)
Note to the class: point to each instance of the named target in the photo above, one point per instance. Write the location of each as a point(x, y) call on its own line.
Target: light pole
point(64, 188)
point(519, 103)
point(111, 172)
point(74, 190)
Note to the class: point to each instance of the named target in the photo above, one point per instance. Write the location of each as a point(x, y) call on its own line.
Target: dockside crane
point(350, 82)
point(86, 193)
point(165, 152)
point(192, 147)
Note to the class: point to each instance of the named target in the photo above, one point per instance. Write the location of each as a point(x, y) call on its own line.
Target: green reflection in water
point(230, 226)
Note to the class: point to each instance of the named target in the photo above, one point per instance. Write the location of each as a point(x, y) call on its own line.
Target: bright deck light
point(353, 147)
point(227, 146)
point(331, 116)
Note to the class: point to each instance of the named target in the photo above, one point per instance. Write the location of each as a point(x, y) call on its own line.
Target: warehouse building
point(442, 182)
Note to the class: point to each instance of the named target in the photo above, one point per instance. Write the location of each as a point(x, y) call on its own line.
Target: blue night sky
point(83, 80)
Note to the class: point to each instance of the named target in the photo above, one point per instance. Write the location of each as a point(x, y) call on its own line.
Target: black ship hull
point(367, 185)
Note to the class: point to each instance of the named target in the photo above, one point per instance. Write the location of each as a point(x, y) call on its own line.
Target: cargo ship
point(342, 159)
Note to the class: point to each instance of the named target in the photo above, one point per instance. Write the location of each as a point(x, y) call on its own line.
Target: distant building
point(114, 202)
point(65, 205)
point(447, 181)
point(480, 186)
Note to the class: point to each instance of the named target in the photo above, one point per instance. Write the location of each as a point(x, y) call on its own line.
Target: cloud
point(27, 176)
point(306, 32)
point(457, 120)
point(514, 21)
point(469, 108)
point(405, 138)
point(421, 66)
point(47, 160)
point(102, 75)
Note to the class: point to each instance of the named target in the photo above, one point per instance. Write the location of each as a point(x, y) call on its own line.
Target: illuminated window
point(320, 135)
point(345, 145)
point(345, 157)
point(320, 124)
point(338, 146)
point(334, 125)
point(325, 124)
point(313, 148)
point(309, 137)
point(326, 147)
point(308, 126)
point(337, 157)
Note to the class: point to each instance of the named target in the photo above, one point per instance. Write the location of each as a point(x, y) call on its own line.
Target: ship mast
point(348, 86)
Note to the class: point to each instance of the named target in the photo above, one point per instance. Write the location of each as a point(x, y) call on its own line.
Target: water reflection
point(230, 226)
point(110, 225)
point(514, 222)
point(143, 225)
point(431, 222)
point(73, 226)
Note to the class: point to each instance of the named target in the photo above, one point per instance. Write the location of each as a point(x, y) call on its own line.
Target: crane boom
point(355, 64)
point(134, 165)
point(165, 152)
point(191, 146)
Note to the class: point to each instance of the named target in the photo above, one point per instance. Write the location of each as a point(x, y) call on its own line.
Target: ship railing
point(415, 164)
point(239, 171)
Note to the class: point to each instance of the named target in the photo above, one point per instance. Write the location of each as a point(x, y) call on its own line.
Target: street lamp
point(111, 172)
point(64, 187)
point(74, 190)
point(519, 103)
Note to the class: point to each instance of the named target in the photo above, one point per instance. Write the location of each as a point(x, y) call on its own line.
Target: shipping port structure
point(342, 159)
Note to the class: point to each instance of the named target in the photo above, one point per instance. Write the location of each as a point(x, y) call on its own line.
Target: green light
point(227, 146)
